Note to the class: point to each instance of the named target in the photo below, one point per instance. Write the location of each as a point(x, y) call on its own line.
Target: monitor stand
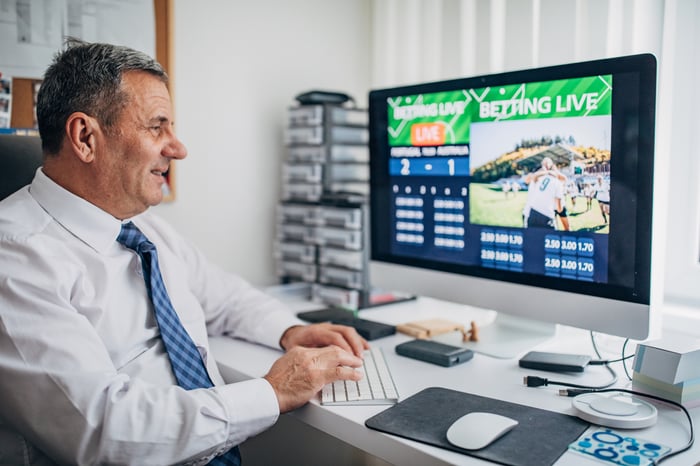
point(506, 337)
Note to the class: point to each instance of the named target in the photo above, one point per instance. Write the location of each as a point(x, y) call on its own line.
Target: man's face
point(138, 150)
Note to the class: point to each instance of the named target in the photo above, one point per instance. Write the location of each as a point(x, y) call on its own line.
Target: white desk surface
point(483, 375)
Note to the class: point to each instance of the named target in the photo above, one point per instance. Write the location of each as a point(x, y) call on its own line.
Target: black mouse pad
point(539, 439)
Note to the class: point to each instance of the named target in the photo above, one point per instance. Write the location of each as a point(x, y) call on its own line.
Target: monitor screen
point(539, 178)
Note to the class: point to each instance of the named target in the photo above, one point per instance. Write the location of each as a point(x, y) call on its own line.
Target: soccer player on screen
point(602, 195)
point(545, 197)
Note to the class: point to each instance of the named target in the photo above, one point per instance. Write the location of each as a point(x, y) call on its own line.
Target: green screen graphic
point(445, 117)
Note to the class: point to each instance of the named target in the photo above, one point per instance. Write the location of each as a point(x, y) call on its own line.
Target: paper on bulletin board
point(32, 31)
point(5, 101)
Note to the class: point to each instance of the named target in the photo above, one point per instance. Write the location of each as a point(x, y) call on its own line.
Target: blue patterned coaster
point(618, 448)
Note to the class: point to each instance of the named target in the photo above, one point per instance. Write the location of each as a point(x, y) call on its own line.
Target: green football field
point(490, 206)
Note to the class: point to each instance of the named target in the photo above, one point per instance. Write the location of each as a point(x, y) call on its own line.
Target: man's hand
point(319, 335)
point(301, 373)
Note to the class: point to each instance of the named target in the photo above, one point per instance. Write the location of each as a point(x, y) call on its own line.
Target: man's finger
point(334, 356)
point(347, 373)
point(351, 340)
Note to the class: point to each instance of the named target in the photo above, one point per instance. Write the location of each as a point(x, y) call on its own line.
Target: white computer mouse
point(476, 430)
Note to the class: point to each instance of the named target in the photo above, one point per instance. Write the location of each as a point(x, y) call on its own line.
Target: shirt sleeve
point(57, 376)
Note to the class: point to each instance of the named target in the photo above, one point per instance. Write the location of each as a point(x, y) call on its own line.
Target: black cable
point(661, 458)
point(595, 346)
point(611, 360)
point(621, 359)
point(534, 381)
point(624, 346)
point(600, 362)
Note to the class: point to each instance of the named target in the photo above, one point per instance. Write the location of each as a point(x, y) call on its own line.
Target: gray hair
point(86, 77)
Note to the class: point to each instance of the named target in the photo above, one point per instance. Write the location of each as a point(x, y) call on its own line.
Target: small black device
point(554, 362)
point(434, 352)
point(322, 97)
point(368, 329)
point(328, 314)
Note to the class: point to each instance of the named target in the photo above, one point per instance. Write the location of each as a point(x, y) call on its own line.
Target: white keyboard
point(376, 387)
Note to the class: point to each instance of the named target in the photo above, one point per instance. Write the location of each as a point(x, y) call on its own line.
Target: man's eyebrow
point(159, 119)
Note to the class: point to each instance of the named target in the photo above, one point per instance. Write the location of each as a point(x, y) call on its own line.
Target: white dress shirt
point(84, 377)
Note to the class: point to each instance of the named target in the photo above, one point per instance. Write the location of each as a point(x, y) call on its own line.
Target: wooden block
point(425, 329)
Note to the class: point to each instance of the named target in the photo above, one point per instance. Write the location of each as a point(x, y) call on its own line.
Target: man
point(602, 195)
point(572, 191)
point(91, 372)
point(589, 193)
point(506, 188)
point(545, 197)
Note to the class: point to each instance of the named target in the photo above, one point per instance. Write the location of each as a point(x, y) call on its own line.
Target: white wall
point(237, 67)
point(678, 126)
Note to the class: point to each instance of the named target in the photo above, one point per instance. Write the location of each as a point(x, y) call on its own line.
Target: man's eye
point(156, 129)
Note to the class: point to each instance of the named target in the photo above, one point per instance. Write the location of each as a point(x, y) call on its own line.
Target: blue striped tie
point(185, 359)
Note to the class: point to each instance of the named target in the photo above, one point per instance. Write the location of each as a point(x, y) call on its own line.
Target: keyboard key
point(376, 387)
point(327, 393)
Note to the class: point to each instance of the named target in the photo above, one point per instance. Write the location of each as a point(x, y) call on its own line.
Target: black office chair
point(20, 156)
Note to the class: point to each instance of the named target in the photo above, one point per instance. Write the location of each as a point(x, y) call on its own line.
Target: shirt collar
point(92, 225)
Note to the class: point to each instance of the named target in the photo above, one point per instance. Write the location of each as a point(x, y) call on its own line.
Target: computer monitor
point(527, 192)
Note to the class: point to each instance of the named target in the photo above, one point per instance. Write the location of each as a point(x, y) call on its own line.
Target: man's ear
point(81, 131)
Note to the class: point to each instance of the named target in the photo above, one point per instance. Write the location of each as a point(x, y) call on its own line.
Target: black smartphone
point(554, 362)
point(368, 329)
point(328, 314)
point(434, 352)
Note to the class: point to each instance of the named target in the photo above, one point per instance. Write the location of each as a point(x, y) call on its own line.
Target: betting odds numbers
point(569, 256)
point(565, 255)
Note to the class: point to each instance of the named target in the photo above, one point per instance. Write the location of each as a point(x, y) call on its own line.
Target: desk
point(483, 375)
